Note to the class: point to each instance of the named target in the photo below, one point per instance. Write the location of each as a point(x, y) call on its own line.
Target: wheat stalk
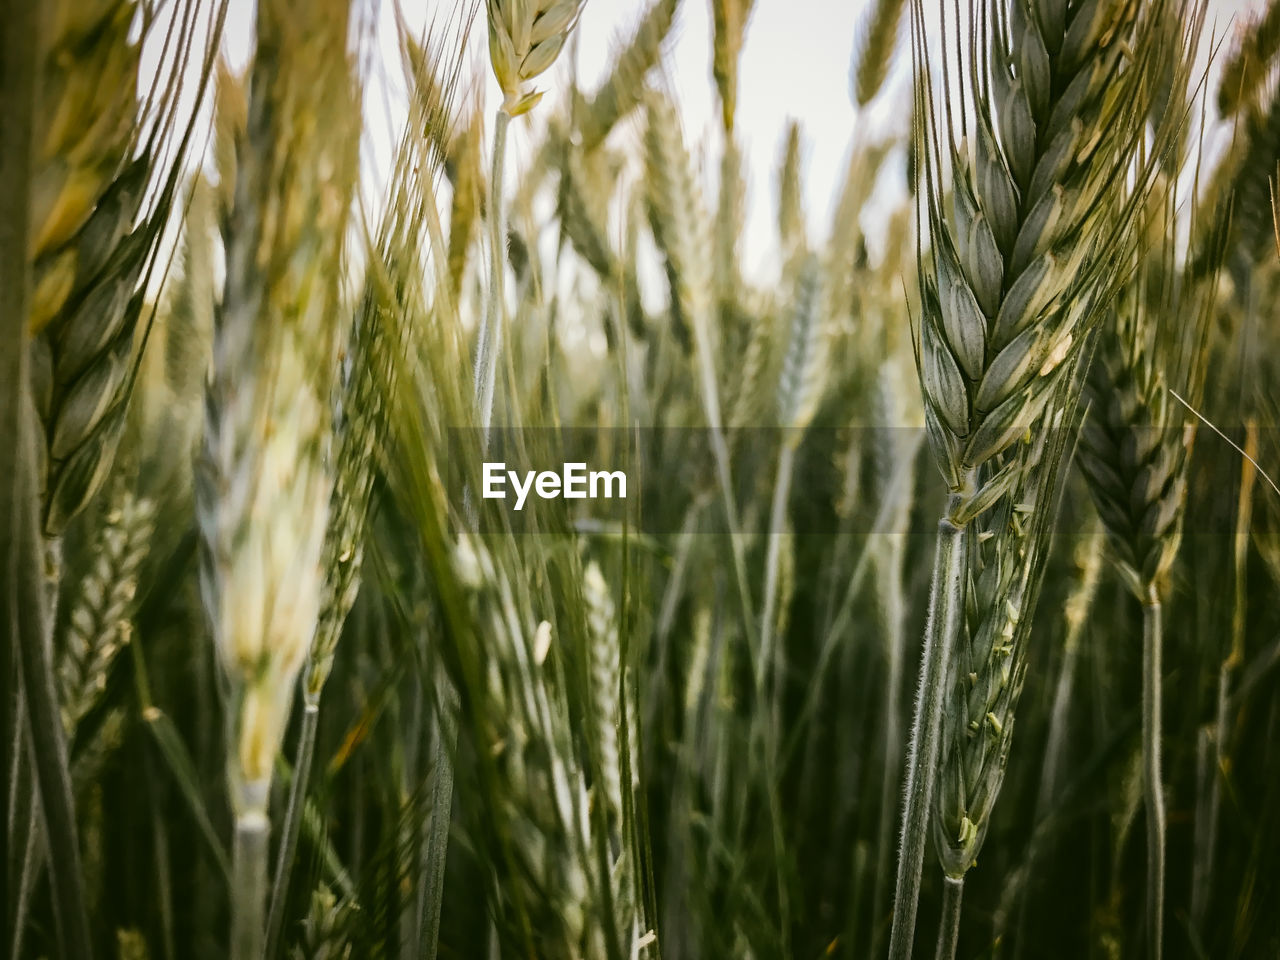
point(1134, 453)
point(360, 413)
point(800, 384)
point(264, 486)
point(1059, 103)
point(525, 38)
point(894, 453)
point(678, 221)
point(25, 623)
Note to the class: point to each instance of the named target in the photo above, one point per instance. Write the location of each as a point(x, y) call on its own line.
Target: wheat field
point(461, 547)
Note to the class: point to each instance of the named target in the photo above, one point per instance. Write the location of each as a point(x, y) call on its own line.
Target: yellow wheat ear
point(525, 38)
point(265, 479)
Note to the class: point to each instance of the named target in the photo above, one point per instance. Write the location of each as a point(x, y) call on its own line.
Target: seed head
point(525, 37)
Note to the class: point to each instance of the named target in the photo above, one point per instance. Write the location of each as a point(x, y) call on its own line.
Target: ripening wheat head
point(92, 240)
point(525, 37)
point(264, 487)
point(1022, 256)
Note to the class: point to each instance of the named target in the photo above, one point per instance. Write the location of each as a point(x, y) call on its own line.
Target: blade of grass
point(176, 757)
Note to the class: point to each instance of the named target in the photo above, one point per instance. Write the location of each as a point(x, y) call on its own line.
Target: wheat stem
point(489, 341)
point(777, 519)
point(888, 562)
point(946, 607)
point(949, 929)
point(18, 20)
point(1207, 826)
point(47, 738)
point(1153, 798)
point(249, 878)
point(292, 822)
point(28, 859)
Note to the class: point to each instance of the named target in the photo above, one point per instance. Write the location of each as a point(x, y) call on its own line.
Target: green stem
point(1206, 837)
point(292, 821)
point(888, 570)
point(249, 878)
point(777, 518)
point(949, 929)
point(946, 607)
point(1153, 797)
point(489, 342)
point(48, 742)
point(1202, 889)
point(18, 70)
point(29, 853)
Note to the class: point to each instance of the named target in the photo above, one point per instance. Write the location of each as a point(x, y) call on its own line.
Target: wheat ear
point(323, 936)
point(876, 47)
point(800, 384)
point(1007, 551)
point(98, 623)
point(1244, 71)
point(264, 487)
point(100, 203)
point(623, 90)
point(525, 38)
point(1059, 101)
point(729, 20)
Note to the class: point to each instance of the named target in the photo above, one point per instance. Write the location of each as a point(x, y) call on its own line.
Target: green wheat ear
point(1028, 226)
